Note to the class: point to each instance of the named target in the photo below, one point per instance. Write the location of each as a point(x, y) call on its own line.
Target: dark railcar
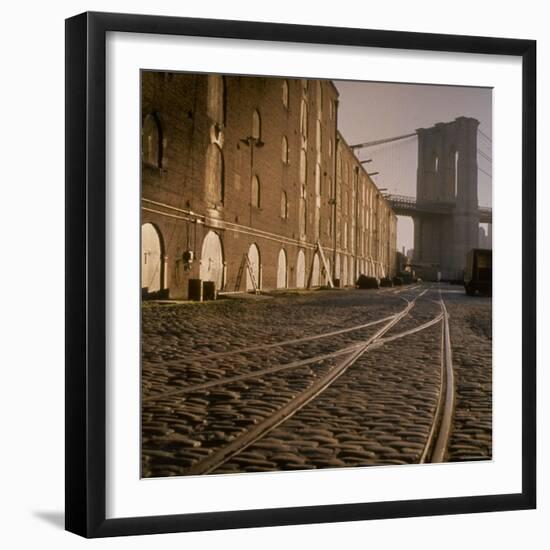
point(478, 275)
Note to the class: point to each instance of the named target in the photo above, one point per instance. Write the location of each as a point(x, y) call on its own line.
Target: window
point(303, 165)
point(303, 119)
point(216, 99)
point(255, 193)
point(284, 206)
point(152, 141)
point(318, 180)
point(436, 163)
point(454, 164)
point(256, 125)
point(345, 236)
point(318, 136)
point(285, 94)
point(284, 150)
point(303, 216)
point(214, 175)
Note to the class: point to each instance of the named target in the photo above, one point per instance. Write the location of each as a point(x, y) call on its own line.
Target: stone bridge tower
point(446, 186)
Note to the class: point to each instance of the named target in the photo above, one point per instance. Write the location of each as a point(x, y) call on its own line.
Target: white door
point(315, 271)
point(281, 269)
point(151, 258)
point(345, 274)
point(212, 259)
point(301, 270)
point(254, 259)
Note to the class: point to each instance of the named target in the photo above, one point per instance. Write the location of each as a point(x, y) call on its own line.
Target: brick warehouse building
point(250, 165)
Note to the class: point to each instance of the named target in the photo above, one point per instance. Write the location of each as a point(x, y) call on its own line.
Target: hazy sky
point(373, 110)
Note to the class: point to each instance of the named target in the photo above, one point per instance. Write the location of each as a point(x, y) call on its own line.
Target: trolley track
point(240, 443)
point(437, 441)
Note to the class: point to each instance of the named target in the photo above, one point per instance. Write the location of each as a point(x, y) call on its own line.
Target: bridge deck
point(404, 205)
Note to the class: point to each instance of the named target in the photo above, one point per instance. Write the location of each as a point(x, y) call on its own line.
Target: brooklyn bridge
point(445, 211)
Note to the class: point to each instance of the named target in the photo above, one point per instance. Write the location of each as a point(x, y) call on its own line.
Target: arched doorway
point(281, 269)
point(345, 271)
point(301, 270)
point(325, 274)
point(211, 267)
point(315, 271)
point(151, 258)
point(254, 259)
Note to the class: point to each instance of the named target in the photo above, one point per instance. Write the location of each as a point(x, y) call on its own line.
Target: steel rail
point(286, 342)
point(434, 451)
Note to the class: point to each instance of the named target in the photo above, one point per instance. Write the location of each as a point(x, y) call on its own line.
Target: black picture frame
point(86, 275)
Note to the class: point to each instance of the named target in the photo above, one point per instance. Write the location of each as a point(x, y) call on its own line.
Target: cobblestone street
point(320, 379)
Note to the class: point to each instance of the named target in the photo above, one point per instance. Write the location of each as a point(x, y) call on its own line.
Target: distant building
point(238, 169)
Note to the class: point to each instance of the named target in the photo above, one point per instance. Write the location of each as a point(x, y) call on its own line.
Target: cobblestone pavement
point(212, 374)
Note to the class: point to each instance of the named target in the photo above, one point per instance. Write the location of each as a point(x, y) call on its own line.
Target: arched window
point(303, 119)
point(303, 166)
point(303, 216)
point(454, 164)
point(216, 98)
point(285, 94)
point(284, 150)
point(255, 192)
point(256, 125)
point(284, 206)
point(330, 147)
point(318, 136)
point(214, 175)
point(151, 145)
point(345, 236)
point(318, 180)
point(436, 163)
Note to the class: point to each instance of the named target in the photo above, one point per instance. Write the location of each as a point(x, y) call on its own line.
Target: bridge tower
point(446, 175)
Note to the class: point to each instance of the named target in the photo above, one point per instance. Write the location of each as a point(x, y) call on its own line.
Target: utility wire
point(484, 135)
point(485, 156)
point(486, 173)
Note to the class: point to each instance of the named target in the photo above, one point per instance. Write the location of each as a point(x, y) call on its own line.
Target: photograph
point(316, 274)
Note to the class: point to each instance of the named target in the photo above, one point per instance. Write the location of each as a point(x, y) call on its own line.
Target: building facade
point(246, 182)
